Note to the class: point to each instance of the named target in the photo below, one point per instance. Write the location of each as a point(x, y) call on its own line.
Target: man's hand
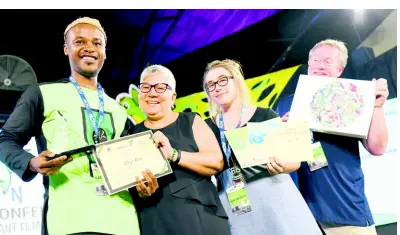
point(381, 92)
point(42, 165)
point(285, 117)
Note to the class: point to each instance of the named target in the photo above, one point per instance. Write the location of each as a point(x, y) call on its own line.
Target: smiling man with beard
point(64, 115)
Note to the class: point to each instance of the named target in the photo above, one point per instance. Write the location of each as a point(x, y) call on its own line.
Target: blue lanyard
point(227, 150)
point(88, 109)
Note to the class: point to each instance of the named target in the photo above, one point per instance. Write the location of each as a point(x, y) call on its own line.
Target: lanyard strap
point(225, 147)
point(95, 125)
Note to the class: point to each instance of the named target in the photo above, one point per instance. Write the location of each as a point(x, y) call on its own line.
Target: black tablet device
point(86, 150)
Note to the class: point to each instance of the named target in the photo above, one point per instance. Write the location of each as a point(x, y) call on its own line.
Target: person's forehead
point(155, 78)
point(325, 51)
point(215, 73)
point(86, 31)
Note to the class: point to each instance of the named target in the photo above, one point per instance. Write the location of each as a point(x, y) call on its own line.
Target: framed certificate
point(121, 160)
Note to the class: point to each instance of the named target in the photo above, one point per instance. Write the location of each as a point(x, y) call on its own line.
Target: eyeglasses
point(158, 87)
point(326, 62)
point(210, 86)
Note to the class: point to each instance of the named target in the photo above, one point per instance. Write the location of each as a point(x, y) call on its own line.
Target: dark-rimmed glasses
point(158, 87)
point(210, 86)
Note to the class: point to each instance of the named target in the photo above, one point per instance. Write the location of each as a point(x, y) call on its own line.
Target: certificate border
point(105, 177)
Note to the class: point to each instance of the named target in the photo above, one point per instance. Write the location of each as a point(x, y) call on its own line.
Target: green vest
point(74, 205)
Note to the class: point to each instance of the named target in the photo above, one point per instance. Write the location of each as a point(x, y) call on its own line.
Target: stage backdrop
point(265, 90)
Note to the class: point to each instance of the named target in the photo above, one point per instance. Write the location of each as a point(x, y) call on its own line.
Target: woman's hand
point(152, 184)
point(276, 166)
point(163, 143)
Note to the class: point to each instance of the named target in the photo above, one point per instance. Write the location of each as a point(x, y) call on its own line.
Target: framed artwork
point(337, 106)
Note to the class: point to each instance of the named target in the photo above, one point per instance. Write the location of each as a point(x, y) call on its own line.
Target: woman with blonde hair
point(184, 202)
point(276, 206)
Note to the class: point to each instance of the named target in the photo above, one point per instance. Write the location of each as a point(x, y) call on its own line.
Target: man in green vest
point(64, 115)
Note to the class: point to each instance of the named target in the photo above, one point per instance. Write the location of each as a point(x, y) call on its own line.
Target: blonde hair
point(160, 70)
point(335, 43)
point(235, 69)
point(85, 20)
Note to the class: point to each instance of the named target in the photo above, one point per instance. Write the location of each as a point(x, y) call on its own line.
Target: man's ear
point(340, 70)
point(65, 49)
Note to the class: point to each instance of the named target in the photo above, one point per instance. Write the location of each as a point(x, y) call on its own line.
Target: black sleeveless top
point(181, 192)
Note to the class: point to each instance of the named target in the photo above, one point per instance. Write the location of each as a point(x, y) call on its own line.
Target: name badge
point(100, 187)
point(319, 159)
point(237, 194)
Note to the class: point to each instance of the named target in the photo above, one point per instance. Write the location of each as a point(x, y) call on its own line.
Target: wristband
point(178, 158)
point(172, 157)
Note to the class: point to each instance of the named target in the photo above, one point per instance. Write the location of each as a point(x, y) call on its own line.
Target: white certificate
point(121, 160)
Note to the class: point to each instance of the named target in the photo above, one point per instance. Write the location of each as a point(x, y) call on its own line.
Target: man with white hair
point(64, 115)
point(335, 194)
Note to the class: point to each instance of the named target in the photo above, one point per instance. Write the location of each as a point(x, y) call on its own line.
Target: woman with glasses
point(274, 204)
point(186, 202)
